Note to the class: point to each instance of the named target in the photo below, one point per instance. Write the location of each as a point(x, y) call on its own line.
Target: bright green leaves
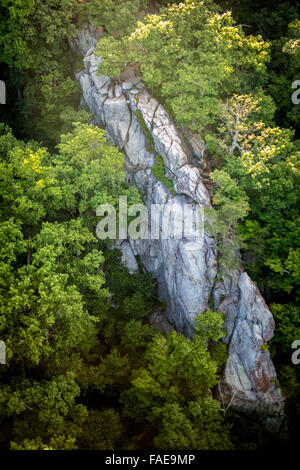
point(197, 425)
point(172, 389)
point(44, 308)
point(50, 404)
point(136, 335)
point(262, 163)
point(112, 52)
point(118, 16)
point(181, 365)
point(32, 27)
point(258, 186)
point(114, 46)
point(58, 95)
point(34, 37)
point(21, 183)
point(16, 14)
point(210, 326)
point(267, 146)
point(192, 57)
point(88, 143)
point(287, 319)
point(56, 318)
point(12, 244)
point(89, 169)
point(72, 248)
point(51, 268)
point(103, 430)
point(231, 207)
point(158, 170)
point(267, 170)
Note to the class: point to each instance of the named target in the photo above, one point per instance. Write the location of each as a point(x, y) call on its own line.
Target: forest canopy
point(85, 368)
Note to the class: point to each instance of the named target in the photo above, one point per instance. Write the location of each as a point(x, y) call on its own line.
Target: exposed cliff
point(186, 269)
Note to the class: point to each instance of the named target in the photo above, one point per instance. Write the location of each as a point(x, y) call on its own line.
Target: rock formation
point(185, 269)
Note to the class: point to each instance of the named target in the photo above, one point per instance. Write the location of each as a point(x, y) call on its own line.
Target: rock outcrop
point(186, 268)
point(86, 39)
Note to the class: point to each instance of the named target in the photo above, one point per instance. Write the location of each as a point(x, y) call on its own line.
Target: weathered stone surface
point(168, 144)
point(127, 258)
point(127, 85)
point(250, 378)
point(2, 352)
point(92, 98)
point(117, 120)
point(118, 91)
point(134, 91)
point(186, 269)
point(197, 144)
point(137, 155)
point(86, 38)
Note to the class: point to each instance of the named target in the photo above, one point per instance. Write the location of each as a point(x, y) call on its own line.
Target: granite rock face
point(186, 268)
point(250, 378)
point(86, 39)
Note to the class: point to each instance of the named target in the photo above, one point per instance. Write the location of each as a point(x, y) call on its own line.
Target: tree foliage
point(192, 57)
point(85, 368)
point(65, 340)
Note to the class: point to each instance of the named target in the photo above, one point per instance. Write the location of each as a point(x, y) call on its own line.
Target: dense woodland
point(85, 369)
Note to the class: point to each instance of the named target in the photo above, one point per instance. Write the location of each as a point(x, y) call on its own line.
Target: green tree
point(230, 208)
point(44, 411)
point(35, 44)
point(191, 56)
point(173, 391)
point(117, 16)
